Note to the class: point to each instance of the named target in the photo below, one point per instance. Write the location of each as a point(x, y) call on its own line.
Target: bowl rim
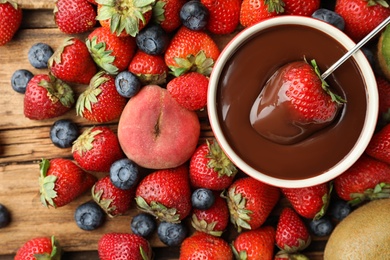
point(371, 93)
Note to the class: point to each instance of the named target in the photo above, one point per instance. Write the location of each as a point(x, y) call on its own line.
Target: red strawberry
point(166, 13)
point(47, 97)
point(255, 244)
point(254, 11)
point(110, 52)
point(165, 194)
point(309, 202)
point(354, 12)
point(250, 202)
point(124, 18)
point(120, 246)
point(213, 220)
point(191, 51)
point(61, 181)
point(210, 167)
point(100, 102)
point(150, 69)
point(72, 62)
point(39, 248)
point(384, 95)
point(96, 149)
point(114, 201)
point(224, 15)
point(189, 90)
point(366, 179)
point(379, 145)
point(303, 8)
point(74, 16)
point(292, 234)
point(10, 19)
point(205, 246)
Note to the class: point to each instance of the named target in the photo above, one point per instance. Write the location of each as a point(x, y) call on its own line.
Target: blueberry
point(39, 54)
point(330, 17)
point(127, 84)
point(89, 216)
point(339, 209)
point(171, 234)
point(194, 15)
point(124, 174)
point(5, 217)
point(63, 133)
point(202, 198)
point(321, 227)
point(152, 39)
point(20, 79)
point(143, 224)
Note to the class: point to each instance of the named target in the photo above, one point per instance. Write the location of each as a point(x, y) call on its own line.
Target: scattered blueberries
point(20, 79)
point(171, 234)
point(89, 216)
point(321, 227)
point(124, 174)
point(5, 217)
point(39, 54)
point(63, 133)
point(127, 84)
point(194, 15)
point(339, 209)
point(202, 198)
point(152, 39)
point(143, 224)
point(330, 17)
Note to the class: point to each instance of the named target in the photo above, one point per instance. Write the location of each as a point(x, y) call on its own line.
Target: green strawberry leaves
point(58, 91)
point(158, 210)
point(219, 162)
point(102, 57)
point(47, 184)
point(199, 63)
point(239, 215)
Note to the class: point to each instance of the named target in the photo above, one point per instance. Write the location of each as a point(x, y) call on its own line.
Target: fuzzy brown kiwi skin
point(385, 69)
point(364, 234)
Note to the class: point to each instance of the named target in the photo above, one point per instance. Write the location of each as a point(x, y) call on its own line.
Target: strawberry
point(166, 13)
point(309, 202)
point(114, 201)
point(205, 246)
point(303, 8)
point(47, 97)
point(61, 181)
point(250, 202)
point(190, 90)
point(100, 101)
point(110, 52)
point(74, 16)
point(224, 15)
point(292, 234)
point(97, 148)
point(39, 248)
point(165, 194)
point(71, 62)
point(124, 18)
point(191, 51)
point(372, 12)
point(117, 246)
point(150, 69)
point(379, 145)
point(10, 19)
point(367, 179)
point(213, 220)
point(384, 95)
point(255, 244)
point(254, 11)
point(210, 167)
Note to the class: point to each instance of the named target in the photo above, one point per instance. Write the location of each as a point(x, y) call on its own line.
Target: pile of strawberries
point(183, 68)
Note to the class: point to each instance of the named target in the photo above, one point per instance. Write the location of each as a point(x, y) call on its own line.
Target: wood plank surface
point(24, 142)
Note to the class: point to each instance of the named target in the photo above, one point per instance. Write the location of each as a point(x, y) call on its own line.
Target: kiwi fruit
point(363, 234)
point(383, 52)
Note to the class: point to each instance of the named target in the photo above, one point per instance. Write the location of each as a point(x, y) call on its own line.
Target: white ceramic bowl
point(370, 116)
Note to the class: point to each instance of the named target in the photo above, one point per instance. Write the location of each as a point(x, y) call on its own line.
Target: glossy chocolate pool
point(242, 79)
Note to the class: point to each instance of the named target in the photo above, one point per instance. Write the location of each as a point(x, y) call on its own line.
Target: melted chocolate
point(246, 73)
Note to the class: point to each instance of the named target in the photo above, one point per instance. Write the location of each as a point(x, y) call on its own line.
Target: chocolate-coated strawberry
point(39, 248)
point(10, 19)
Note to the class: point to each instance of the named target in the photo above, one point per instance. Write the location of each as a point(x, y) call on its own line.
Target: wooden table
point(24, 142)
